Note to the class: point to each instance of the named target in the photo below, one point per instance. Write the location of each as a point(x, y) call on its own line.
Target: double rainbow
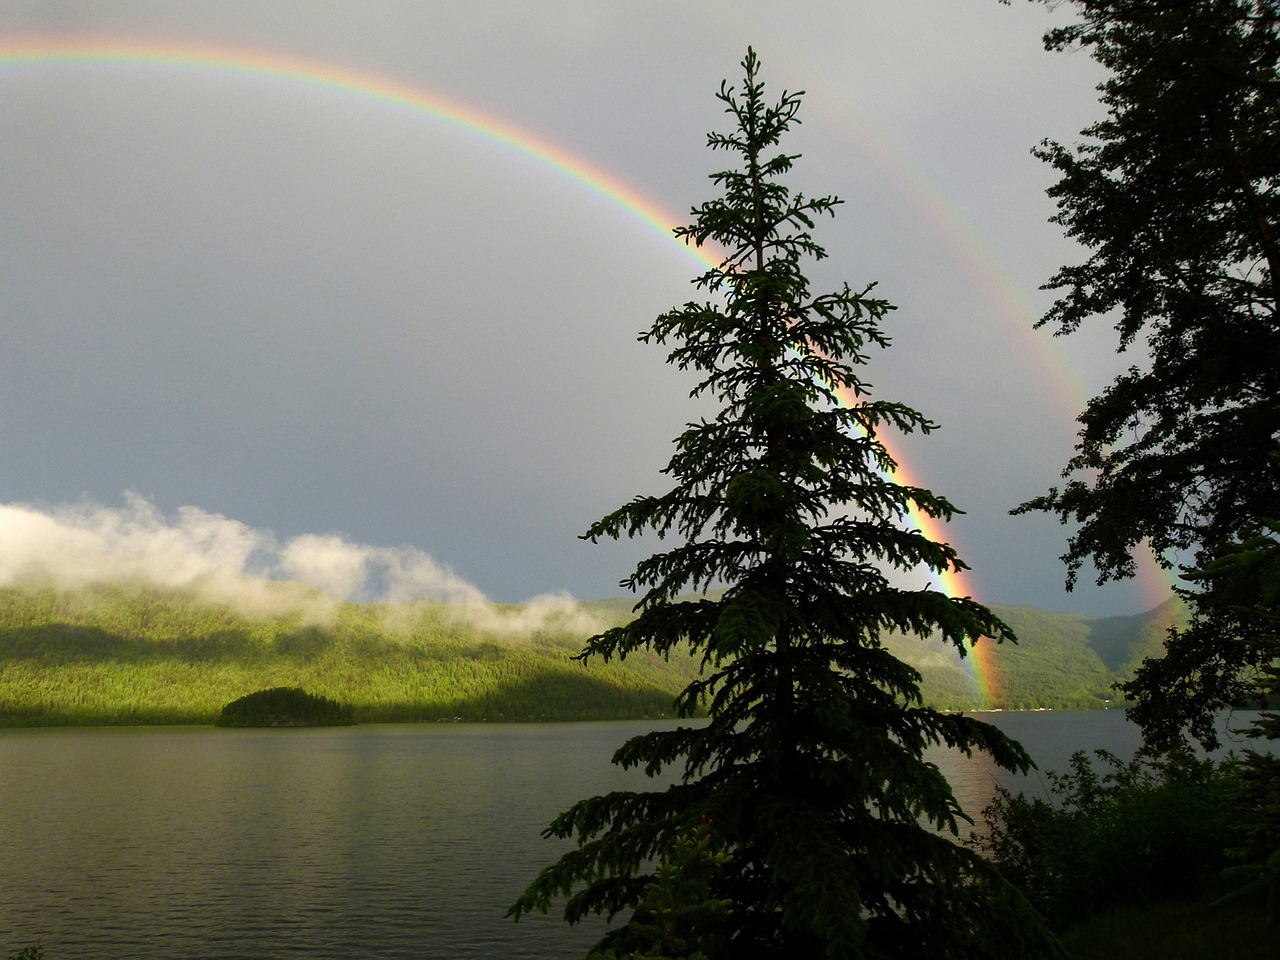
point(41, 54)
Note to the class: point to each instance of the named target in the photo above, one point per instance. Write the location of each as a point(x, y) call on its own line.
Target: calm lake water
point(391, 841)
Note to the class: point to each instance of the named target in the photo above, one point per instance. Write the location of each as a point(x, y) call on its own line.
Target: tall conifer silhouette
point(832, 835)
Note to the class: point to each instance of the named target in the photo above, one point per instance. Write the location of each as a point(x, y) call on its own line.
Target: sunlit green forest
point(137, 656)
point(142, 655)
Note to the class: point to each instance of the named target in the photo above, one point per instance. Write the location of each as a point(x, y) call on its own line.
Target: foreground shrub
point(1154, 828)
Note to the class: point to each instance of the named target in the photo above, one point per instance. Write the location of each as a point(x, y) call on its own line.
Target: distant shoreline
point(145, 656)
point(7, 724)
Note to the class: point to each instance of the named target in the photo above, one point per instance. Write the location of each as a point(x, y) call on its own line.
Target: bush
point(1151, 829)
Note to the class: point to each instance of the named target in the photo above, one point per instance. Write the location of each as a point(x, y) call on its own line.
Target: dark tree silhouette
point(1176, 194)
point(835, 836)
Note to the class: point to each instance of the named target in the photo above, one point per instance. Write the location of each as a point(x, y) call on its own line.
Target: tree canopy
point(284, 707)
point(1175, 194)
point(830, 833)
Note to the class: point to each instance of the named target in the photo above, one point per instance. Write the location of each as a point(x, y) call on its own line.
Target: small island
point(284, 707)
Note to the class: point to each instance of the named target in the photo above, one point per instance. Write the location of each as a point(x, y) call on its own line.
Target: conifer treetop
point(832, 834)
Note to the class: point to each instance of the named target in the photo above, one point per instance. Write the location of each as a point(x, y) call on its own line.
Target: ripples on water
point(373, 841)
point(361, 842)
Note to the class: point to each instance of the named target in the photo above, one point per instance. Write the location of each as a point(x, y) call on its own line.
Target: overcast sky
point(313, 314)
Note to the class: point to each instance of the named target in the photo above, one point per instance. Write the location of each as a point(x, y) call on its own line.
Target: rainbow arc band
point(39, 54)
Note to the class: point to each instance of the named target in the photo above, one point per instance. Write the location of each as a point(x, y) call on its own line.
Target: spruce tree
point(835, 836)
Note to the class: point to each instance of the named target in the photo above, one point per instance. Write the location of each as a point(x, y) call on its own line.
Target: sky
point(296, 314)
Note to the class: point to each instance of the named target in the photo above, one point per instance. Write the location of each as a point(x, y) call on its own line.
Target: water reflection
point(369, 841)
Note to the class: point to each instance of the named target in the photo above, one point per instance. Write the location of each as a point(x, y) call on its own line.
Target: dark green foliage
point(1177, 196)
point(1244, 584)
point(1238, 608)
point(1188, 928)
point(1228, 656)
point(838, 836)
point(1150, 830)
point(34, 952)
point(284, 707)
point(678, 911)
point(1255, 858)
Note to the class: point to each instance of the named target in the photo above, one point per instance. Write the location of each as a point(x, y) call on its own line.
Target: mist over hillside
point(133, 653)
point(198, 601)
point(220, 560)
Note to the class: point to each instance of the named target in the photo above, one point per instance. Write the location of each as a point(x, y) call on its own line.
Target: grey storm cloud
point(294, 305)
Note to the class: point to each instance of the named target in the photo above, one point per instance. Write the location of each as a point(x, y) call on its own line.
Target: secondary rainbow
point(967, 244)
point(38, 54)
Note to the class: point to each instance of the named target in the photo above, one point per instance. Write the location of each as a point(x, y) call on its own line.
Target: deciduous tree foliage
point(836, 832)
point(1176, 196)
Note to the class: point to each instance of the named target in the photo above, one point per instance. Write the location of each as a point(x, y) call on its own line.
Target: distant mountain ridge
point(112, 655)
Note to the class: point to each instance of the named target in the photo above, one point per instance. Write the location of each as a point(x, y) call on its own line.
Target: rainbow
point(980, 661)
point(966, 242)
point(38, 54)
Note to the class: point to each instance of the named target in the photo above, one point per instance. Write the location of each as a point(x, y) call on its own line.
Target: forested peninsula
point(144, 655)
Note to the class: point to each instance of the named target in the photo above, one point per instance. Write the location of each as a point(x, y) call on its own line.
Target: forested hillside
point(115, 655)
point(1061, 660)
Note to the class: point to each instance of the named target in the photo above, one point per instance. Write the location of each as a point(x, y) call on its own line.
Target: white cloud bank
point(72, 547)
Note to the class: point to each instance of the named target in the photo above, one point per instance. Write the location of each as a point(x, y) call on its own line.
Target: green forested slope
point(120, 655)
point(1061, 660)
point(116, 655)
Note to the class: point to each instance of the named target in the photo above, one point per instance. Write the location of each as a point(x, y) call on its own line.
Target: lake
point(379, 841)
